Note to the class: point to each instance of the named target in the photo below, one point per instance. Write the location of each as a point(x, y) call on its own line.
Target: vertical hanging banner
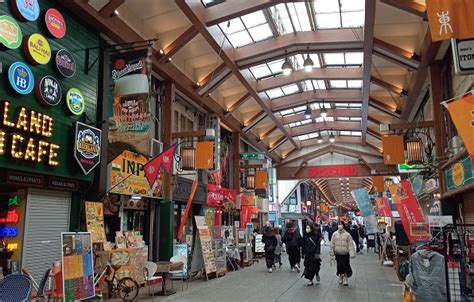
point(393, 149)
point(408, 209)
point(450, 19)
point(361, 196)
point(462, 114)
point(378, 184)
point(384, 207)
point(130, 87)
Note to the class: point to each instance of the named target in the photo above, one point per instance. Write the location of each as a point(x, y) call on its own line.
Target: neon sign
point(9, 232)
point(333, 171)
point(12, 217)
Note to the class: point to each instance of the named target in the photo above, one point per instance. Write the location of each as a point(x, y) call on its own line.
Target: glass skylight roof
point(330, 15)
point(338, 84)
point(247, 29)
point(342, 59)
point(348, 105)
point(300, 123)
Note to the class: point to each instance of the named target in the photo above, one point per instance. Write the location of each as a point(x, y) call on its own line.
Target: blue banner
point(361, 196)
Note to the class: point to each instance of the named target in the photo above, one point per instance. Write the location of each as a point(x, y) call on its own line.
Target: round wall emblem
point(26, 10)
point(21, 78)
point(55, 23)
point(37, 49)
point(48, 91)
point(75, 101)
point(10, 32)
point(65, 63)
point(458, 174)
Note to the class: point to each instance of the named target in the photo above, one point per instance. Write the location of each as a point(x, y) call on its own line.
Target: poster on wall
point(206, 245)
point(78, 266)
point(95, 221)
point(87, 146)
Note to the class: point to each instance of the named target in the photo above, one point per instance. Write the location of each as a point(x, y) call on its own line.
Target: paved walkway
point(370, 282)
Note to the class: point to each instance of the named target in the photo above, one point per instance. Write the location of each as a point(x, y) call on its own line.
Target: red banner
point(152, 168)
point(188, 207)
point(384, 207)
point(408, 208)
point(333, 171)
point(246, 215)
point(214, 196)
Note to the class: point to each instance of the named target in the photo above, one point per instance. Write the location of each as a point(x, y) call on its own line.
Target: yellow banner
point(450, 19)
point(462, 114)
point(95, 221)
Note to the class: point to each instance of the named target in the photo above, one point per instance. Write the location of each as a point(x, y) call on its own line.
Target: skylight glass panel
point(275, 66)
point(240, 38)
point(338, 84)
point(356, 105)
point(290, 89)
point(299, 108)
point(299, 16)
point(313, 135)
point(354, 57)
point(261, 32)
point(254, 19)
point(326, 6)
point(352, 5)
point(307, 121)
point(295, 124)
point(326, 21)
point(356, 133)
point(334, 58)
point(319, 84)
point(354, 83)
point(303, 137)
point(315, 106)
point(356, 118)
point(345, 133)
point(341, 118)
point(353, 19)
point(260, 71)
point(236, 25)
point(287, 112)
point(275, 93)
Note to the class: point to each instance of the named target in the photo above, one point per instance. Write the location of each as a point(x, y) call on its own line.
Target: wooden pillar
point(436, 92)
point(236, 161)
point(167, 126)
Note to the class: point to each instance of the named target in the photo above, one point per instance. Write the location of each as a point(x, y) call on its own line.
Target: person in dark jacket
point(311, 245)
point(292, 240)
point(361, 237)
point(354, 231)
point(271, 243)
point(332, 229)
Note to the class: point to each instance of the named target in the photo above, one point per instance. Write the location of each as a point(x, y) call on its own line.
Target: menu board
point(78, 266)
point(207, 249)
point(95, 221)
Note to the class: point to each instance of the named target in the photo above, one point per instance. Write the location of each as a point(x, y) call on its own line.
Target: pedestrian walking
point(342, 249)
point(292, 240)
point(278, 248)
point(270, 242)
point(311, 246)
point(354, 231)
point(362, 236)
point(332, 229)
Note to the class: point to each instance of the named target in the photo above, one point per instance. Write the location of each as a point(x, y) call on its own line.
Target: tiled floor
point(370, 282)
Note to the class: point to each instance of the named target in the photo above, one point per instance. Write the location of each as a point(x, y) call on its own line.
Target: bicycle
point(126, 288)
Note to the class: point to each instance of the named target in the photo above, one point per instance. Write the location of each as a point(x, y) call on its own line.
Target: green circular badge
point(75, 101)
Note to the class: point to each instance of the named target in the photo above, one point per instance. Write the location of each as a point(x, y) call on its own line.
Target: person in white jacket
point(342, 248)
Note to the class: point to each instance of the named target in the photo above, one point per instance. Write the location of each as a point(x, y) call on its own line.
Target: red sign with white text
point(384, 207)
point(218, 196)
point(333, 171)
point(408, 208)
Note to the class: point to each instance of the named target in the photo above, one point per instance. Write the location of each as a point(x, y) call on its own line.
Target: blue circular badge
point(21, 78)
point(28, 10)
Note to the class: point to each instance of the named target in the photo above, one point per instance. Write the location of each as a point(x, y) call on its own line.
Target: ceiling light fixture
point(286, 66)
point(332, 138)
point(320, 138)
point(323, 112)
point(308, 63)
point(307, 112)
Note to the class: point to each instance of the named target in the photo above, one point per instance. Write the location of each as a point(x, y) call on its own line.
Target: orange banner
point(393, 149)
point(462, 114)
point(261, 179)
point(378, 184)
point(450, 19)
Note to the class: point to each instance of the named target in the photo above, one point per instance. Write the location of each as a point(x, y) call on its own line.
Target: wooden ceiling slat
point(177, 44)
point(266, 134)
point(388, 86)
point(237, 104)
point(314, 127)
point(109, 9)
point(317, 113)
point(379, 105)
point(408, 6)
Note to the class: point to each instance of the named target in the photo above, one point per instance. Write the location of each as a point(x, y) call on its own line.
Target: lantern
point(250, 182)
point(414, 147)
point(188, 158)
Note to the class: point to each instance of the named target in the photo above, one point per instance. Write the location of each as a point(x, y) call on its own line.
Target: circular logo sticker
point(458, 174)
point(37, 49)
point(21, 78)
point(26, 10)
point(48, 91)
point(65, 63)
point(10, 32)
point(75, 101)
point(55, 23)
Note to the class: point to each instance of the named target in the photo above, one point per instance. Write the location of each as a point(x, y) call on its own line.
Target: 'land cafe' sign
point(24, 135)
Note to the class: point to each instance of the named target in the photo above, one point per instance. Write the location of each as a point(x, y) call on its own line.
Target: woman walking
point(292, 240)
point(277, 259)
point(311, 245)
point(342, 248)
point(270, 245)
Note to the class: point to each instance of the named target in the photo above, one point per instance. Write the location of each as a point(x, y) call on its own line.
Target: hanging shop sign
point(25, 179)
point(37, 49)
point(431, 185)
point(229, 200)
point(333, 171)
point(252, 156)
point(418, 185)
point(361, 196)
point(55, 23)
point(26, 10)
point(24, 138)
point(247, 199)
point(21, 78)
point(48, 91)
point(214, 196)
point(439, 221)
point(459, 174)
point(75, 101)
point(65, 63)
point(463, 56)
point(87, 146)
point(182, 188)
point(10, 32)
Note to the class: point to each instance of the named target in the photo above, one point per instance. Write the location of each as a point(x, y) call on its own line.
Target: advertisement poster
point(127, 176)
point(407, 207)
point(259, 245)
point(207, 248)
point(361, 196)
point(78, 266)
point(95, 221)
point(383, 206)
point(370, 223)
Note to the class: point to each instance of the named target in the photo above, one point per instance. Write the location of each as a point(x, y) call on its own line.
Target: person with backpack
point(292, 240)
point(271, 242)
point(311, 245)
point(342, 249)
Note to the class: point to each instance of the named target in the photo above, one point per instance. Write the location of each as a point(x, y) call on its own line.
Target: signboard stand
point(204, 257)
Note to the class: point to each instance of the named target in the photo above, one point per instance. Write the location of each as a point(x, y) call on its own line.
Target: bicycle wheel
point(127, 289)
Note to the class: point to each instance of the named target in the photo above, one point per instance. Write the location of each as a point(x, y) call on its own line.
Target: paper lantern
point(188, 158)
point(205, 155)
point(261, 180)
point(414, 151)
point(393, 150)
point(250, 182)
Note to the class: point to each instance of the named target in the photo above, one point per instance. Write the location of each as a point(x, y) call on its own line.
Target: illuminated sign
point(333, 171)
point(26, 10)
point(12, 217)
point(65, 63)
point(87, 146)
point(8, 232)
point(48, 91)
point(21, 78)
point(22, 146)
point(75, 101)
point(55, 23)
point(37, 49)
point(10, 32)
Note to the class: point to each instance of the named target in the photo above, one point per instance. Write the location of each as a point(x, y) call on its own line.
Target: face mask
point(308, 230)
point(340, 227)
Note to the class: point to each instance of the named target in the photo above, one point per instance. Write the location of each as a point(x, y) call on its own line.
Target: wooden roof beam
point(374, 120)
point(374, 133)
point(177, 44)
point(408, 6)
point(266, 134)
point(388, 86)
point(335, 126)
point(254, 120)
point(288, 153)
point(237, 104)
point(396, 55)
point(329, 96)
point(315, 74)
point(339, 139)
point(385, 108)
point(278, 143)
point(317, 113)
point(218, 76)
point(109, 9)
point(327, 40)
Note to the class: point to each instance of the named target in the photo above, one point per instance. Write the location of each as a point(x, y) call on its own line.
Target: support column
point(436, 92)
point(167, 206)
point(236, 161)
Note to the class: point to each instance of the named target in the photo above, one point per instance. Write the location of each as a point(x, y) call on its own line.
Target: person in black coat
point(354, 231)
point(332, 229)
point(292, 240)
point(271, 243)
point(311, 245)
